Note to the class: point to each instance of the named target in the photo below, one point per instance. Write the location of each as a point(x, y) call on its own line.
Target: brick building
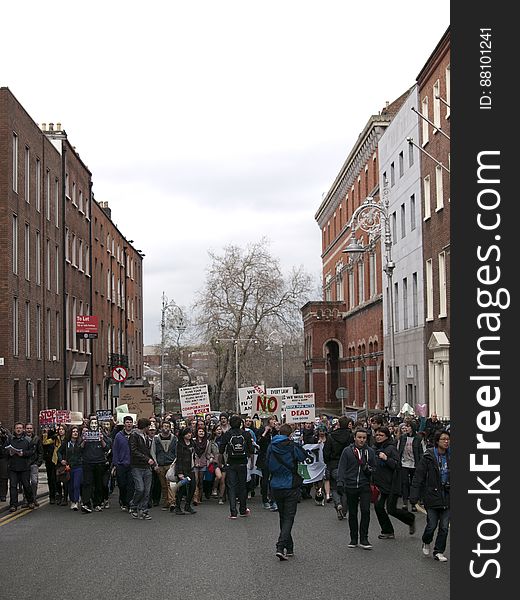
point(434, 99)
point(344, 332)
point(46, 276)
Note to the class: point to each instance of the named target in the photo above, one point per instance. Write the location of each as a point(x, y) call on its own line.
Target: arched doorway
point(332, 354)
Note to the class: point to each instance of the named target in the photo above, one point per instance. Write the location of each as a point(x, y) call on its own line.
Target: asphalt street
point(54, 552)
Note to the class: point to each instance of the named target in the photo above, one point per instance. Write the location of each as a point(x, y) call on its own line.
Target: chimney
point(51, 126)
point(58, 126)
point(44, 126)
point(106, 209)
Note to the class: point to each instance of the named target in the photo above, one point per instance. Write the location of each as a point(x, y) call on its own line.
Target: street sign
point(342, 393)
point(119, 374)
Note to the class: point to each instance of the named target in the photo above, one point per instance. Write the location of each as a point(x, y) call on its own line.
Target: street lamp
point(373, 218)
point(277, 340)
point(179, 325)
point(235, 343)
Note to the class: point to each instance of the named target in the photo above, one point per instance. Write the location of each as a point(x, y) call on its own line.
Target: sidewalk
point(43, 491)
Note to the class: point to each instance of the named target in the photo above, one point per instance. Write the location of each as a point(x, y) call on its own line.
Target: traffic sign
point(119, 374)
point(342, 393)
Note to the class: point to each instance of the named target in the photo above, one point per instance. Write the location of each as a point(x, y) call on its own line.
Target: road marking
point(22, 513)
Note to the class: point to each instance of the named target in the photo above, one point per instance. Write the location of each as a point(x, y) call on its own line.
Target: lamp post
point(277, 340)
point(373, 218)
point(235, 343)
point(179, 325)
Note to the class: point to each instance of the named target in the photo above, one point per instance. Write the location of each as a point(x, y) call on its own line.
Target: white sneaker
point(106, 504)
point(426, 549)
point(73, 506)
point(440, 557)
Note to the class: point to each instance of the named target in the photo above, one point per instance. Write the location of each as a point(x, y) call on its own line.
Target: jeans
point(264, 485)
point(75, 481)
point(34, 480)
point(125, 483)
point(142, 484)
point(407, 474)
point(358, 497)
point(287, 502)
point(434, 517)
point(185, 491)
point(337, 498)
point(236, 476)
point(23, 477)
point(391, 505)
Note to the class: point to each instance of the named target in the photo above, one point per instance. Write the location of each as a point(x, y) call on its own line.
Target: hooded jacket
point(282, 460)
point(428, 474)
point(355, 472)
point(140, 452)
point(336, 442)
point(161, 456)
point(387, 475)
point(416, 447)
point(23, 462)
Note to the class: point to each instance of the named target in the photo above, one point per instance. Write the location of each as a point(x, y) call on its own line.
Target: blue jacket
point(282, 460)
point(121, 450)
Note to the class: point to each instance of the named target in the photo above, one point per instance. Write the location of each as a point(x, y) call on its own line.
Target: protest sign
point(267, 406)
point(121, 415)
point(194, 400)
point(62, 416)
point(91, 436)
point(245, 398)
point(300, 408)
point(104, 415)
point(313, 469)
point(47, 417)
point(138, 399)
point(280, 391)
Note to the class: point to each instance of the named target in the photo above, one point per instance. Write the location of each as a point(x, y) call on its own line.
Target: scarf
point(201, 445)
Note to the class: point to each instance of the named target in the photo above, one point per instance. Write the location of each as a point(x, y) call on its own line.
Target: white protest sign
point(121, 415)
point(245, 398)
point(313, 469)
point(300, 408)
point(280, 391)
point(266, 406)
point(194, 400)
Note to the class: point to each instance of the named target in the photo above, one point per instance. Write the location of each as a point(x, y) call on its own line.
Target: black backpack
point(236, 446)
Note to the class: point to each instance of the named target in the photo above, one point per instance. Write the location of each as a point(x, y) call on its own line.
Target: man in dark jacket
point(431, 427)
point(36, 459)
point(20, 450)
point(94, 447)
point(432, 476)
point(164, 450)
point(356, 465)
point(141, 461)
point(235, 450)
point(336, 442)
point(121, 463)
point(282, 460)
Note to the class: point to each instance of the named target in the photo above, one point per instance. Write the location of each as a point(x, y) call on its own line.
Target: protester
point(410, 453)
point(264, 438)
point(336, 442)
point(20, 450)
point(70, 455)
point(433, 473)
point(202, 457)
point(164, 450)
point(4, 457)
point(355, 468)
point(219, 483)
point(121, 463)
point(237, 447)
point(94, 444)
point(36, 460)
point(141, 462)
point(432, 426)
point(184, 466)
point(282, 460)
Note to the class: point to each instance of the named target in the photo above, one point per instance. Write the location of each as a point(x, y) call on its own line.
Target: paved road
point(56, 552)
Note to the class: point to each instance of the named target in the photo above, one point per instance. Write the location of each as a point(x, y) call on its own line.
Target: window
point(74, 193)
point(87, 261)
point(448, 90)
point(57, 331)
point(57, 269)
point(67, 322)
point(437, 104)
point(328, 296)
point(439, 197)
point(401, 164)
point(109, 285)
point(15, 244)
point(48, 195)
point(87, 211)
point(403, 220)
point(392, 175)
point(27, 330)
point(410, 155)
point(67, 186)
point(73, 257)
point(67, 244)
point(415, 305)
point(27, 173)
point(80, 255)
point(48, 260)
point(38, 258)
point(442, 286)
point(48, 337)
point(81, 201)
point(429, 290)
point(427, 199)
point(424, 113)
point(372, 274)
point(405, 303)
point(351, 302)
point(38, 332)
point(27, 250)
point(394, 227)
point(57, 202)
point(15, 162)
point(74, 313)
point(412, 212)
point(361, 282)
point(339, 283)
point(15, 327)
point(396, 306)
point(38, 184)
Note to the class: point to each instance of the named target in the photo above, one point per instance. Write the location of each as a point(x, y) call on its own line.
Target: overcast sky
point(211, 122)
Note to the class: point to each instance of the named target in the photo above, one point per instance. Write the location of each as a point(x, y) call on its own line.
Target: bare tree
point(244, 297)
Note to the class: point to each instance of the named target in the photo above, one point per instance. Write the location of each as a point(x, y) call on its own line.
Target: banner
point(300, 408)
point(313, 469)
point(194, 400)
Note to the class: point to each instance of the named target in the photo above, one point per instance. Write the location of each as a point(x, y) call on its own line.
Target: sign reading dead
point(265, 405)
point(300, 408)
point(194, 400)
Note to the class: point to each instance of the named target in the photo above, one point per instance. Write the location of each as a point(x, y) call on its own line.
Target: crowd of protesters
point(399, 465)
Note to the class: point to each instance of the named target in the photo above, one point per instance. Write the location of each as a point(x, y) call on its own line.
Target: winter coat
point(416, 447)
point(72, 453)
point(282, 460)
point(237, 460)
point(121, 450)
point(355, 473)
point(93, 453)
point(140, 452)
point(161, 457)
point(387, 475)
point(23, 462)
point(263, 442)
point(185, 461)
point(427, 479)
point(336, 442)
